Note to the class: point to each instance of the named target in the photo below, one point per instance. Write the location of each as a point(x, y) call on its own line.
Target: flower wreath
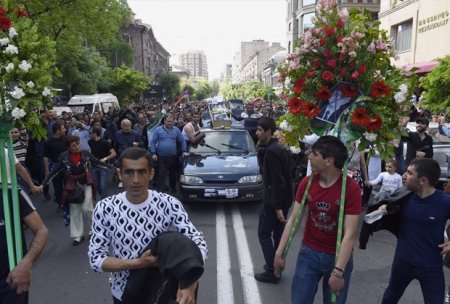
point(27, 61)
point(339, 80)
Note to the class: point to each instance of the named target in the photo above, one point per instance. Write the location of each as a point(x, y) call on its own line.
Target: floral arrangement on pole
point(27, 61)
point(339, 80)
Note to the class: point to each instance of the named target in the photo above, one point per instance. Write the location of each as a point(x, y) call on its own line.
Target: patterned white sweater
point(123, 230)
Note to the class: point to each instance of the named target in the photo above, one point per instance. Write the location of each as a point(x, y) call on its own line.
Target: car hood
point(224, 163)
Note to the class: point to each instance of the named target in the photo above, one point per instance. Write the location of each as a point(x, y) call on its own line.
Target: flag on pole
point(184, 95)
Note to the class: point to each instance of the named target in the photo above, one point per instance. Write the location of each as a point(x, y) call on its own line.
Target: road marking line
point(224, 278)
point(251, 292)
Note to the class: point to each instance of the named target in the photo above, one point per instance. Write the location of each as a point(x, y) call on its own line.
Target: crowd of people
point(140, 146)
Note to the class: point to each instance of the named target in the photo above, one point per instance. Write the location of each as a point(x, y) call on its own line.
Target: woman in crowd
point(79, 188)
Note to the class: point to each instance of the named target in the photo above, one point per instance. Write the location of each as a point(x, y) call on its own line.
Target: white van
point(92, 103)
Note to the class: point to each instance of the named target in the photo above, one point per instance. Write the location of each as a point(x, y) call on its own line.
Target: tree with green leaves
point(248, 90)
point(437, 87)
point(128, 84)
point(170, 84)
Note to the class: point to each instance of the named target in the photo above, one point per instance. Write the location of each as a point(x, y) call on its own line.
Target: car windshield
point(82, 108)
point(226, 142)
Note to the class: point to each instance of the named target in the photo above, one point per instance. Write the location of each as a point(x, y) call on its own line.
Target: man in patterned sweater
point(125, 223)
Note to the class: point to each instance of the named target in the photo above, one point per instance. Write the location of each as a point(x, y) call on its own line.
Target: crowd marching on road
point(129, 232)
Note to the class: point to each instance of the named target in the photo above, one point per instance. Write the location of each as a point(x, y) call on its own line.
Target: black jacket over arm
point(390, 222)
point(180, 264)
point(277, 177)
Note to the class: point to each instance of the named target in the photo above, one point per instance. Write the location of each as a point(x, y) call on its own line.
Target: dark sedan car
point(223, 168)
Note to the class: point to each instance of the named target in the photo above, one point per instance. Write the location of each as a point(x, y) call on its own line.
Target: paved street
point(62, 274)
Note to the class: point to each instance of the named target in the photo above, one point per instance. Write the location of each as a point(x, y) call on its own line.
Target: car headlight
point(189, 179)
point(250, 179)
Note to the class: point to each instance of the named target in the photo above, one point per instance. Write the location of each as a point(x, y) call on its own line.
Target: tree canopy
point(437, 87)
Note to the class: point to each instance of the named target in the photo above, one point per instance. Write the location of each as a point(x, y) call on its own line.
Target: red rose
point(295, 105)
point(331, 63)
point(339, 39)
point(327, 53)
point(323, 94)
point(310, 74)
point(330, 31)
point(298, 85)
point(349, 91)
point(322, 41)
point(359, 117)
point(5, 23)
point(2, 11)
point(316, 64)
point(374, 123)
point(21, 12)
point(310, 109)
point(355, 75)
point(342, 72)
point(341, 56)
point(379, 89)
point(362, 69)
point(340, 23)
point(327, 75)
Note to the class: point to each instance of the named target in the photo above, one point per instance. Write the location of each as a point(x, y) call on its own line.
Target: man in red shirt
point(317, 257)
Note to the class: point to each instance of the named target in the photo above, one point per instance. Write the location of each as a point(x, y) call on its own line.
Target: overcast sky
point(213, 26)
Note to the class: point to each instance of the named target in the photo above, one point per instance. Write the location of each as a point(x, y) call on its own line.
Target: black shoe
point(267, 277)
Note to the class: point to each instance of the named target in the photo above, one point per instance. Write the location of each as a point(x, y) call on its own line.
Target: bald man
point(126, 137)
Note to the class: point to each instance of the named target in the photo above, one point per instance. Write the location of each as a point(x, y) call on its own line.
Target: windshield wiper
point(236, 147)
point(211, 147)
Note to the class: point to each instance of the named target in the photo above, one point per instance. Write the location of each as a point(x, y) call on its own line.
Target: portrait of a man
point(333, 108)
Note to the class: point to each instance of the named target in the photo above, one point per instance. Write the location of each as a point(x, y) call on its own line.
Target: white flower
point(46, 92)
point(25, 66)
point(295, 150)
point(9, 67)
point(352, 54)
point(370, 136)
point(403, 88)
point(399, 97)
point(17, 93)
point(12, 32)
point(285, 126)
point(18, 113)
point(11, 49)
point(4, 41)
point(30, 84)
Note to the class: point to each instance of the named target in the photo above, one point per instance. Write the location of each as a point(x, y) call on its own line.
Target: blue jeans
point(270, 230)
point(313, 265)
point(101, 180)
point(431, 281)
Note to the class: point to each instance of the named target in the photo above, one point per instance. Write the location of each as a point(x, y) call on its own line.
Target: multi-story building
point(270, 72)
point(301, 12)
point(419, 30)
point(195, 62)
point(226, 73)
point(249, 60)
point(150, 57)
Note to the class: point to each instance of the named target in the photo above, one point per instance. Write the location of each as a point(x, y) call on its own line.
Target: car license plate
point(228, 193)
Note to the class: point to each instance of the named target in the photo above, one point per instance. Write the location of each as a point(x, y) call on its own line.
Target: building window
point(127, 38)
point(402, 35)
point(290, 26)
point(308, 2)
point(307, 21)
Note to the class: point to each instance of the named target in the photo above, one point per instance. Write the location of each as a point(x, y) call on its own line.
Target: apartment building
point(195, 62)
point(419, 30)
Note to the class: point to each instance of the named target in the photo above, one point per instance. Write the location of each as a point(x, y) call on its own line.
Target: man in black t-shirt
point(14, 284)
point(100, 148)
point(52, 150)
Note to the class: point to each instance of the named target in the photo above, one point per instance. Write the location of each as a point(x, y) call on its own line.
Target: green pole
point(298, 217)
point(341, 218)
point(6, 207)
point(15, 199)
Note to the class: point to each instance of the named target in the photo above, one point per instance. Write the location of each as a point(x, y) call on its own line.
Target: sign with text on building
point(433, 22)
